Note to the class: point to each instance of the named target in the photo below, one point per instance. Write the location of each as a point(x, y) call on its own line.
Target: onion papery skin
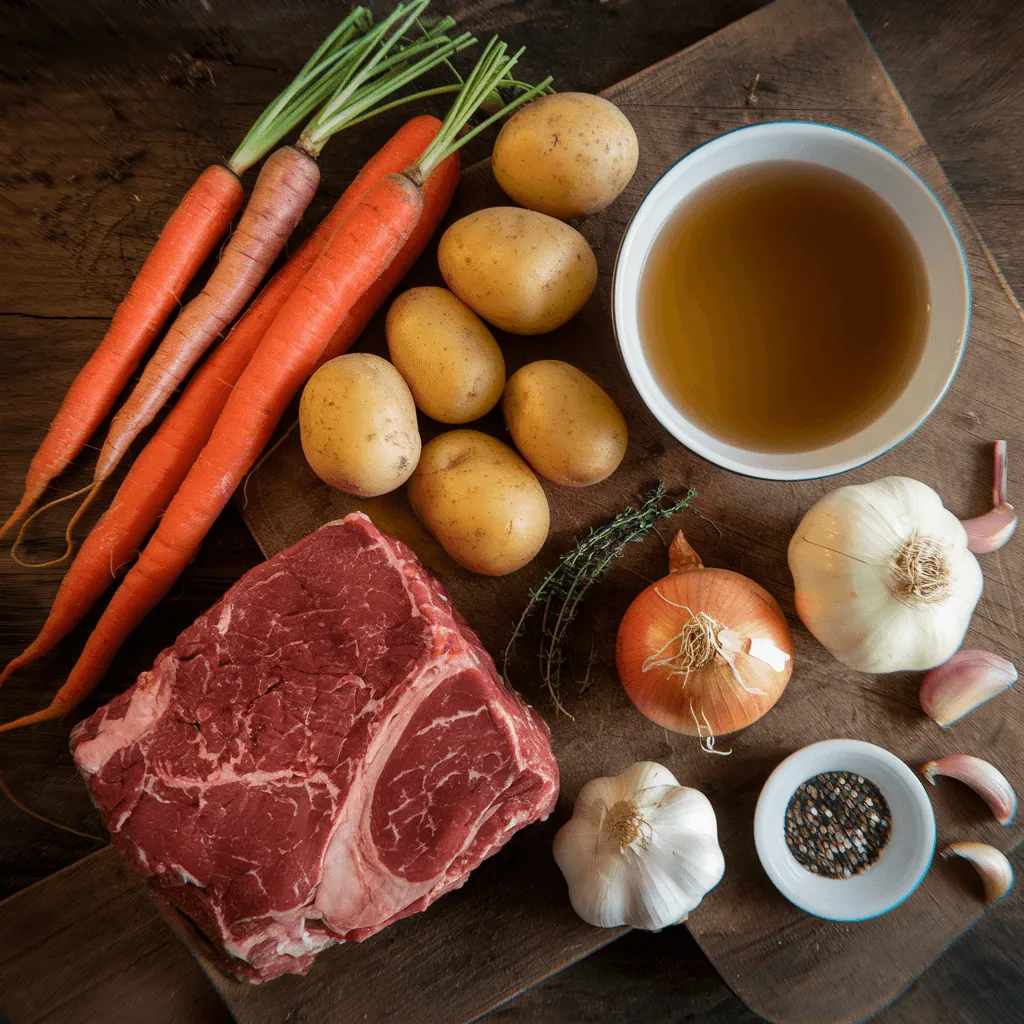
point(711, 694)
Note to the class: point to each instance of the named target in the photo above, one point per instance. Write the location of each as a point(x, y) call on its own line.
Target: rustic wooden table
point(958, 70)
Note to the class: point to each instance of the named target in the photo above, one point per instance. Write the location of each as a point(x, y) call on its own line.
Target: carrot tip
point(92, 490)
point(73, 522)
point(42, 817)
point(11, 667)
point(48, 714)
point(28, 499)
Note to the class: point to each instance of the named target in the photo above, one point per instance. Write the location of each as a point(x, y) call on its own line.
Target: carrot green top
point(310, 87)
point(489, 78)
point(381, 63)
point(358, 67)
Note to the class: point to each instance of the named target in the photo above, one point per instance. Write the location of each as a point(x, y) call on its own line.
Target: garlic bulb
point(884, 579)
point(639, 850)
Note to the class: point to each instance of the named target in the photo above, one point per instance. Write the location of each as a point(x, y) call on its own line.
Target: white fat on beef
point(147, 702)
point(327, 750)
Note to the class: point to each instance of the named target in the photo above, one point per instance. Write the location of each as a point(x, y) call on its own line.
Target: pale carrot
point(361, 249)
point(164, 463)
point(283, 190)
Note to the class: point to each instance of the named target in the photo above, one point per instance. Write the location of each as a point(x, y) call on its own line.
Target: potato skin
point(520, 270)
point(566, 155)
point(481, 501)
point(565, 424)
point(357, 421)
point(446, 354)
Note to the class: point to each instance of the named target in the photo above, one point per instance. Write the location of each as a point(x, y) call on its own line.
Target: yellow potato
point(566, 155)
point(357, 420)
point(520, 270)
point(446, 354)
point(481, 501)
point(564, 424)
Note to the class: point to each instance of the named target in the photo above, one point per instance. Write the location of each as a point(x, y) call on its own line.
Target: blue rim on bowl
point(945, 261)
point(904, 861)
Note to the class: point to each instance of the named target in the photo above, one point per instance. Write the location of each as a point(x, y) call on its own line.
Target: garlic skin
point(639, 850)
point(984, 778)
point(995, 870)
point(963, 683)
point(883, 575)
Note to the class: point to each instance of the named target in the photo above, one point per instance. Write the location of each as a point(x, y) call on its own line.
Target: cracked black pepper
point(837, 824)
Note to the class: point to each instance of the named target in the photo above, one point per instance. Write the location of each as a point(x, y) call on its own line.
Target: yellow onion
point(703, 652)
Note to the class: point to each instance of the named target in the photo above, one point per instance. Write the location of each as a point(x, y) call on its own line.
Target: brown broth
point(784, 306)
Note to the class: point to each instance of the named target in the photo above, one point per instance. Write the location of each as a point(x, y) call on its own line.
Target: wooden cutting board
point(511, 923)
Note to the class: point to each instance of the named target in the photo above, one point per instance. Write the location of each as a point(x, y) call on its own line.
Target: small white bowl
point(917, 207)
point(904, 861)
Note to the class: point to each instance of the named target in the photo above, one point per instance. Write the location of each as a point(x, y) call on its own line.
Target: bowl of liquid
point(791, 300)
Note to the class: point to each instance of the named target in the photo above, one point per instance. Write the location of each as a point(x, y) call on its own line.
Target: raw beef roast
point(327, 750)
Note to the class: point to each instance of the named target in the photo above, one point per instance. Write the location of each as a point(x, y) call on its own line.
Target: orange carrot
point(283, 190)
point(163, 464)
point(362, 248)
point(186, 241)
point(437, 196)
point(280, 196)
point(364, 244)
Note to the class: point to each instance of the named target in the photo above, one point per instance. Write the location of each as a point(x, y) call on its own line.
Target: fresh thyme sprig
point(559, 594)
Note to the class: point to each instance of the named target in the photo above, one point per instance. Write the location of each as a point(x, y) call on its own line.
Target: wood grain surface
point(109, 110)
point(811, 63)
point(44, 979)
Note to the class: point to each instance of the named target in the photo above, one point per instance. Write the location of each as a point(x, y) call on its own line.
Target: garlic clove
point(984, 778)
point(687, 830)
point(995, 870)
point(591, 894)
point(991, 531)
point(963, 683)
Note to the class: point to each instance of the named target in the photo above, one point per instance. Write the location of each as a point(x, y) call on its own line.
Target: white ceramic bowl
point(904, 861)
point(920, 211)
